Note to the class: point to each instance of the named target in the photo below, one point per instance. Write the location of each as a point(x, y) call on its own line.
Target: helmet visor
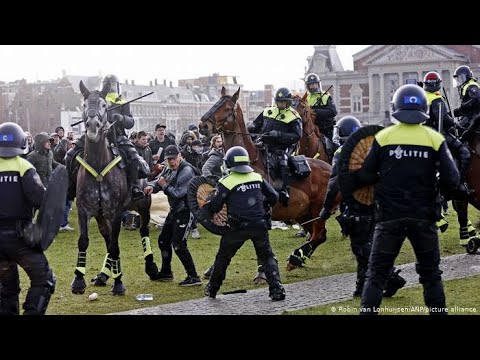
point(313, 88)
point(460, 79)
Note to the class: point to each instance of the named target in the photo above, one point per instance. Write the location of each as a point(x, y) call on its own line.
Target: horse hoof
point(151, 269)
point(78, 285)
point(100, 280)
point(118, 289)
point(291, 267)
point(294, 262)
point(473, 246)
point(260, 279)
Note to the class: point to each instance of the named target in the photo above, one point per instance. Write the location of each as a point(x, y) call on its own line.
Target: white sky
point(254, 65)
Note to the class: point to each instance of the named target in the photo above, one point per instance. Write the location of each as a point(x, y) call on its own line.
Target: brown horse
point(473, 181)
point(306, 195)
point(312, 143)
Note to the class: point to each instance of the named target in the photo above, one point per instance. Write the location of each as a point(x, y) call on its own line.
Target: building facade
point(379, 70)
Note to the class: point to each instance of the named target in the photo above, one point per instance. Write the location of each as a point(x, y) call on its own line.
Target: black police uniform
point(244, 195)
point(21, 190)
point(281, 130)
point(469, 93)
point(405, 159)
point(359, 226)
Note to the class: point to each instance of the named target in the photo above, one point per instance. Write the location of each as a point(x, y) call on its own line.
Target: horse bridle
point(94, 102)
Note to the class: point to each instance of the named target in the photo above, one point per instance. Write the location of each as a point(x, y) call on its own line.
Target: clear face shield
point(282, 105)
point(459, 80)
point(336, 135)
point(314, 88)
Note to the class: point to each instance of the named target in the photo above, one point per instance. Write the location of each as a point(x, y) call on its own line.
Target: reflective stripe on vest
point(410, 134)
point(234, 179)
point(432, 96)
point(313, 98)
point(285, 116)
point(16, 164)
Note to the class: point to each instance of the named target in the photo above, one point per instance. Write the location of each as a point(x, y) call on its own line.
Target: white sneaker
point(66, 228)
point(195, 234)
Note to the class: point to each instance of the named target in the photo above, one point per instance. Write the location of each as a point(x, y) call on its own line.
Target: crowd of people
point(406, 199)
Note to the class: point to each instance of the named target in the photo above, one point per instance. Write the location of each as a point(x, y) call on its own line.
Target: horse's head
point(95, 112)
point(221, 117)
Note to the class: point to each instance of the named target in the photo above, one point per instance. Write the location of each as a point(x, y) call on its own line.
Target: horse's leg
point(151, 268)
point(467, 231)
point(299, 256)
point(102, 277)
point(118, 287)
point(78, 284)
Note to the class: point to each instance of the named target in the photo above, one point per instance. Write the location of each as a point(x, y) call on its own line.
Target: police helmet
point(283, 94)
point(13, 140)
point(432, 81)
point(409, 104)
point(313, 84)
point(462, 74)
point(114, 83)
point(346, 126)
point(236, 159)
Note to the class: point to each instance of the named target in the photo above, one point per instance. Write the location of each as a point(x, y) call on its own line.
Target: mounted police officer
point(22, 190)
point(281, 129)
point(325, 110)
point(403, 162)
point(358, 225)
point(247, 196)
point(469, 91)
point(122, 119)
point(431, 85)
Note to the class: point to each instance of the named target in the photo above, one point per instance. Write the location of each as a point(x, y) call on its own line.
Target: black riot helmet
point(283, 94)
point(462, 74)
point(345, 127)
point(237, 160)
point(114, 83)
point(432, 81)
point(313, 84)
point(409, 104)
point(13, 140)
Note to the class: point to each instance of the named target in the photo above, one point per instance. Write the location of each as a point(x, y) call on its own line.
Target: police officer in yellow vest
point(22, 191)
point(123, 120)
point(403, 162)
point(281, 129)
point(247, 197)
point(431, 84)
point(469, 91)
point(324, 107)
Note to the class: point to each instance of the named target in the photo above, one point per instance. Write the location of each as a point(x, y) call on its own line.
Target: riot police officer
point(122, 119)
point(358, 225)
point(469, 91)
point(431, 84)
point(324, 107)
point(21, 190)
point(281, 129)
point(403, 162)
point(246, 220)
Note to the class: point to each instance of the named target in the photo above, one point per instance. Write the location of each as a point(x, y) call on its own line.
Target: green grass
point(333, 257)
point(461, 296)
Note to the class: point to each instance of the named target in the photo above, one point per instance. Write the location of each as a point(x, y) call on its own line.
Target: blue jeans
point(68, 205)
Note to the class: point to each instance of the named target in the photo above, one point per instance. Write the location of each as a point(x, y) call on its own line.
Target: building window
point(356, 103)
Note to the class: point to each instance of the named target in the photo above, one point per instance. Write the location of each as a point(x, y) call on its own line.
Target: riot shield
point(50, 215)
point(199, 191)
point(354, 153)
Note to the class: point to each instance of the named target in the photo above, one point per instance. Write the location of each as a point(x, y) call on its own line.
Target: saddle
point(298, 167)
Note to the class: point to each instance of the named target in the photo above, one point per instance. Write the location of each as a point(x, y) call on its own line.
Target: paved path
point(303, 294)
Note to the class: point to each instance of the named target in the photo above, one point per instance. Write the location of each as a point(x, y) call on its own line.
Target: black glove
point(118, 118)
point(457, 112)
point(324, 214)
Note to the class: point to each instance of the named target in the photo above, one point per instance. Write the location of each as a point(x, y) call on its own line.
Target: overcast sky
point(254, 65)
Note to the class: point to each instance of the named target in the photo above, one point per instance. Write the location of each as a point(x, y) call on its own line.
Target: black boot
point(284, 197)
point(135, 190)
point(394, 283)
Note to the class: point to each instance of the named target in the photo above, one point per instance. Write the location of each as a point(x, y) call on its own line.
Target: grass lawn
point(333, 257)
